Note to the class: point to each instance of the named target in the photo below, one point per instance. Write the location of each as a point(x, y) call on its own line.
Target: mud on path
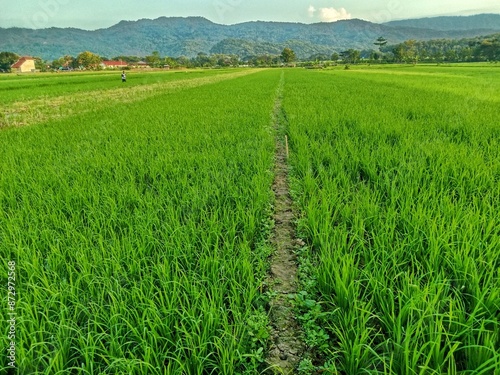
point(286, 346)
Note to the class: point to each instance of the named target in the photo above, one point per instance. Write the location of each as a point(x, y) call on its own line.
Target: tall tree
point(202, 59)
point(489, 49)
point(351, 56)
point(380, 42)
point(40, 64)
point(89, 60)
point(411, 51)
point(183, 61)
point(288, 55)
point(171, 62)
point(438, 56)
point(399, 53)
point(154, 60)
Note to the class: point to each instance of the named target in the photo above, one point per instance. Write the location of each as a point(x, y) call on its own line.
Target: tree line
point(482, 49)
point(478, 49)
point(91, 61)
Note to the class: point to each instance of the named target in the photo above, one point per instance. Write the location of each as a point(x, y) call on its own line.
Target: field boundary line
point(25, 113)
point(286, 346)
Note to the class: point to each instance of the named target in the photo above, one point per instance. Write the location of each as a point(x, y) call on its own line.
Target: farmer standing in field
point(124, 77)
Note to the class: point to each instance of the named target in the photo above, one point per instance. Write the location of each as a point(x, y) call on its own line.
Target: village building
point(142, 64)
point(114, 64)
point(25, 64)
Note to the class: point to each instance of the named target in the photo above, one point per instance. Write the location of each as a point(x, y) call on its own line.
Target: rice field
point(139, 233)
point(397, 177)
point(139, 219)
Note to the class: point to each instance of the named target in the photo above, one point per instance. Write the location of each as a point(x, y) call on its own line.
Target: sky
point(95, 14)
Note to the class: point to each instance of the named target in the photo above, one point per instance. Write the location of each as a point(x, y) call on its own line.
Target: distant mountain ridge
point(176, 36)
point(485, 21)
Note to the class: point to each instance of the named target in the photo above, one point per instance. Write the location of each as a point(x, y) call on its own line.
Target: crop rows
point(29, 87)
point(27, 101)
point(139, 233)
point(139, 218)
point(397, 178)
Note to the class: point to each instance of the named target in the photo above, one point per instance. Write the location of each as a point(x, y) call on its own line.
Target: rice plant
point(396, 173)
point(139, 233)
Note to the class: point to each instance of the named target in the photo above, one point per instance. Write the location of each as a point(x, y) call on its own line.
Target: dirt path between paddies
point(30, 112)
point(287, 346)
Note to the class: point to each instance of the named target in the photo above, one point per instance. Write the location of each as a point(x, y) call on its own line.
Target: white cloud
point(332, 14)
point(311, 11)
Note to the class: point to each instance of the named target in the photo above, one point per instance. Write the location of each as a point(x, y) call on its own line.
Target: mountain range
point(176, 36)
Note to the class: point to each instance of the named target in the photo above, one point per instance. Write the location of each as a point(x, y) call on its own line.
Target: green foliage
point(258, 335)
point(89, 60)
point(246, 49)
point(312, 321)
point(306, 367)
point(351, 56)
point(380, 42)
point(486, 48)
point(65, 62)
point(6, 60)
point(287, 55)
point(410, 51)
point(489, 48)
point(154, 60)
point(40, 65)
point(128, 59)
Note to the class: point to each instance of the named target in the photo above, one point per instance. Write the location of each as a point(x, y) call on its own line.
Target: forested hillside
point(189, 36)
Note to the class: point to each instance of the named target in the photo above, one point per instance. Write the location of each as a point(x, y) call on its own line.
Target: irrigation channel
point(286, 337)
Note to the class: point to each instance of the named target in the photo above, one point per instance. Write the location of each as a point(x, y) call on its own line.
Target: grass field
point(139, 218)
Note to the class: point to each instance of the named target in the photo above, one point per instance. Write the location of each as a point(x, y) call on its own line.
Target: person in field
point(124, 77)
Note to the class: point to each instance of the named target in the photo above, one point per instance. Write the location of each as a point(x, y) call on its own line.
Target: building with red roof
point(25, 64)
point(114, 64)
